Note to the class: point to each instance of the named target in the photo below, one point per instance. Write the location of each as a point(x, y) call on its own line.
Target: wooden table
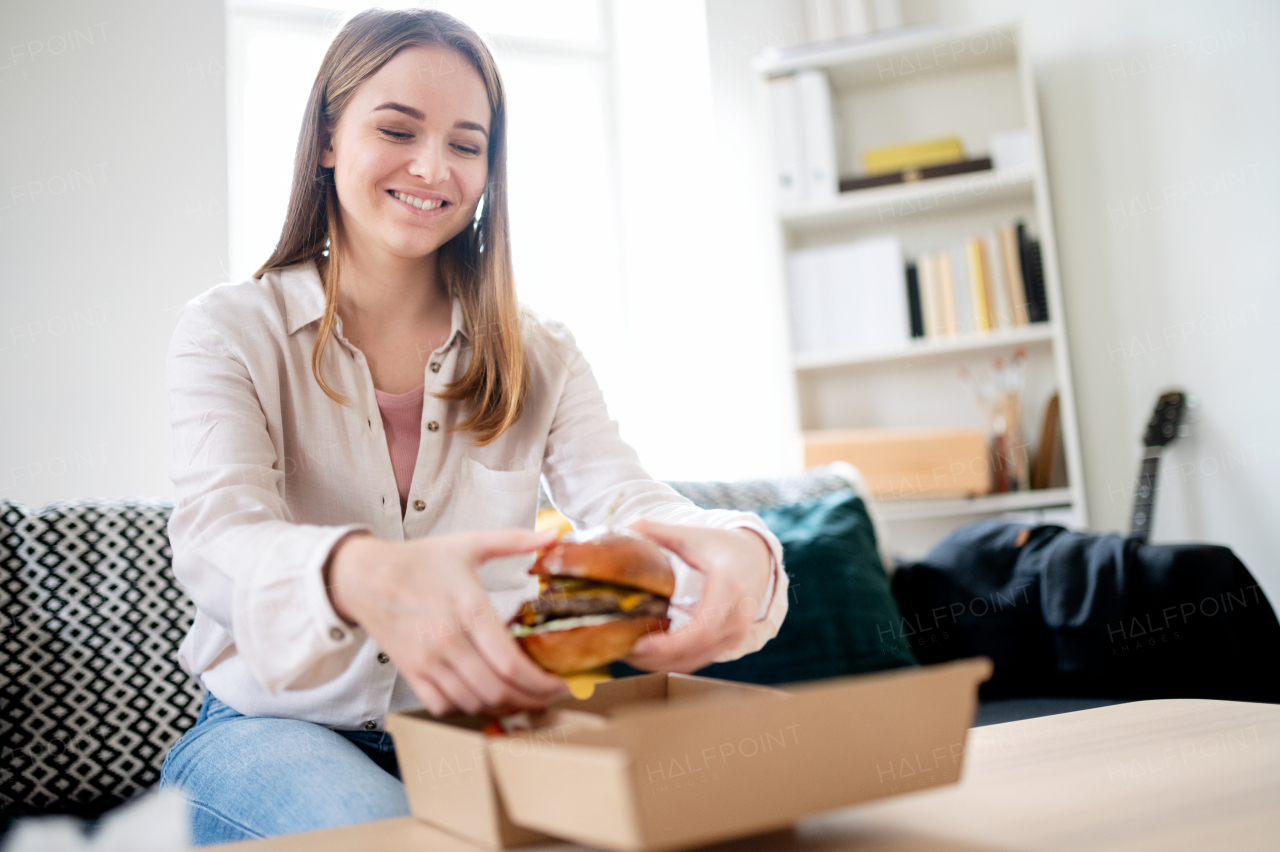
point(1150, 775)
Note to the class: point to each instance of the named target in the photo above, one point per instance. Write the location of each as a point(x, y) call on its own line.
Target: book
point(958, 266)
point(929, 293)
point(784, 114)
point(1050, 468)
point(916, 155)
point(1032, 267)
point(852, 184)
point(1001, 314)
point(913, 301)
point(988, 292)
point(981, 311)
point(1013, 273)
point(1036, 265)
point(949, 323)
point(817, 136)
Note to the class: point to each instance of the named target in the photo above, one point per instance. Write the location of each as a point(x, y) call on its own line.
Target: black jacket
point(1069, 613)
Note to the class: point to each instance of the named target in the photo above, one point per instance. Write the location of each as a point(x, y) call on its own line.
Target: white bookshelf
point(918, 84)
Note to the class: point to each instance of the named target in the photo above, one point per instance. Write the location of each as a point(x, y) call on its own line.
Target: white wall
point(112, 215)
point(1160, 125)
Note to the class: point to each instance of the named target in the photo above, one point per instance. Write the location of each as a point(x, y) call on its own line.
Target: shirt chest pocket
point(489, 499)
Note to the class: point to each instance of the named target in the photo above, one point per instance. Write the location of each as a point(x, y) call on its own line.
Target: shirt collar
point(304, 300)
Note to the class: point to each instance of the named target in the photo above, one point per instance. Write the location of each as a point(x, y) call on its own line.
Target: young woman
point(360, 434)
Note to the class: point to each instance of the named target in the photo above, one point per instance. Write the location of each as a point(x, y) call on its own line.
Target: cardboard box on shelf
point(908, 464)
point(668, 761)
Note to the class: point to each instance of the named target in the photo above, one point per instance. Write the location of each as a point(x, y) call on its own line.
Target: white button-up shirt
point(269, 473)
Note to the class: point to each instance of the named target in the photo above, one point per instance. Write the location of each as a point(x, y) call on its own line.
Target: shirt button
point(435, 367)
point(383, 658)
point(336, 634)
point(419, 505)
point(370, 725)
point(433, 426)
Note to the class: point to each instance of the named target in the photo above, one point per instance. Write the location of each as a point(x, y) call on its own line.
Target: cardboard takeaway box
point(670, 761)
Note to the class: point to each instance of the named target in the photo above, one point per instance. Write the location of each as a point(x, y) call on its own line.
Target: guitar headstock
point(1166, 420)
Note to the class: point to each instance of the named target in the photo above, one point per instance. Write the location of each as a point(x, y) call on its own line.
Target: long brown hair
point(475, 266)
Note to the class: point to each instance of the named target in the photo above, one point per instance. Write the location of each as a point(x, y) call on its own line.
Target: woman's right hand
point(423, 604)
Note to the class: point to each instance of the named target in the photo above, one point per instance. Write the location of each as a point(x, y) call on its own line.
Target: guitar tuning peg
point(1193, 401)
point(1184, 431)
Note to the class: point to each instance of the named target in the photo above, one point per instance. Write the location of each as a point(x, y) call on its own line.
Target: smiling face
point(410, 153)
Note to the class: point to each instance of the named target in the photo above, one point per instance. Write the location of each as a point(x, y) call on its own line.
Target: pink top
point(402, 421)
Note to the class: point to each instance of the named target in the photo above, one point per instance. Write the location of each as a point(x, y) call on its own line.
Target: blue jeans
point(259, 776)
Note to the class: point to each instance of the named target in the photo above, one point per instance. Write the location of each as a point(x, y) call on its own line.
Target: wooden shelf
point(900, 201)
point(921, 348)
point(1015, 501)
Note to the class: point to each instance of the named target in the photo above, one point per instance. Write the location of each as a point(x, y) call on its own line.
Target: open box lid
point(665, 776)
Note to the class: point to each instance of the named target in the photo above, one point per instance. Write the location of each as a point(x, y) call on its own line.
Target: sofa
point(93, 696)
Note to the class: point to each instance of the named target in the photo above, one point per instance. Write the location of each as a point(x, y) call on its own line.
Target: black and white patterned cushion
point(92, 694)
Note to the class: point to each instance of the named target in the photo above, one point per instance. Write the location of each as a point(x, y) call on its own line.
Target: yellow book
point(995, 300)
point(918, 155)
point(981, 306)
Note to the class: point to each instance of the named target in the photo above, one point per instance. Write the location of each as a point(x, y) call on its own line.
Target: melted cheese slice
point(583, 684)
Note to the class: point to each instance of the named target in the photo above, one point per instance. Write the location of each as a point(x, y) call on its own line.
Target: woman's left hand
point(737, 566)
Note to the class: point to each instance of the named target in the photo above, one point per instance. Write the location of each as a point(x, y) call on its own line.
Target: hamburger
point(599, 591)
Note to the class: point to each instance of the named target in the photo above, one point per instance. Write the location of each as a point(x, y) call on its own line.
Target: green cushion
point(841, 616)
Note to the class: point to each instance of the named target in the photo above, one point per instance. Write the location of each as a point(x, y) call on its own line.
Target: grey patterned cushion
point(752, 495)
point(92, 695)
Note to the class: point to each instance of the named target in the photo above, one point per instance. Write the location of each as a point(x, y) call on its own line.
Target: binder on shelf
point(805, 273)
point(849, 297)
point(784, 115)
point(813, 92)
